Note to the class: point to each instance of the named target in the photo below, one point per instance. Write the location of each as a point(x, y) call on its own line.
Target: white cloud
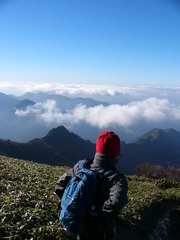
point(6, 85)
point(85, 89)
point(151, 110)
point(108, 93)
point(77, 89)
point(22, 113)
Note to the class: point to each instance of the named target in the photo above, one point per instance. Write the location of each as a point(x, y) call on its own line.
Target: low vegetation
point(158, 172)
point(28, 203)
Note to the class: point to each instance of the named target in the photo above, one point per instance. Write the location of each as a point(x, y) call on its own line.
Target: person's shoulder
point(82, 163)
point(77, 164)
point(116, 173)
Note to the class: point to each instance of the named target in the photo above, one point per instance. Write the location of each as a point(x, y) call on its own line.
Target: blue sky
point(90, 42)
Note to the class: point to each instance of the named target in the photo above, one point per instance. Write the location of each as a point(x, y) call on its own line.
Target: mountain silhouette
point(59, 147)
point(22, 105)
point(158, 147)
point(62, 102)
point(20, 123)
point(69, 144)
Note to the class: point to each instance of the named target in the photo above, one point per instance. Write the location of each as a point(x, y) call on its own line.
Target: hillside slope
point(29, 205)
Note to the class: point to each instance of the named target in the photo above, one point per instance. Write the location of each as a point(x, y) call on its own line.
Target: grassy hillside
point(28, 204)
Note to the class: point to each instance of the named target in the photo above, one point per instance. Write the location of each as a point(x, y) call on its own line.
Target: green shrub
point(157, 172)
point(165, 184)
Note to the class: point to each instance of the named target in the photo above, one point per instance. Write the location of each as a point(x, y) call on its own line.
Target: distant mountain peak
point(24, 104)
point(159, 135)
point(151, 135)
point(154, 133)
point(61, 136)
point(60, 130)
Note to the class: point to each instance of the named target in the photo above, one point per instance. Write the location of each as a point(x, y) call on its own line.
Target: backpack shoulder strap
point(110, 171)
point(106, 173)
point(85, 163)
point(81, 166)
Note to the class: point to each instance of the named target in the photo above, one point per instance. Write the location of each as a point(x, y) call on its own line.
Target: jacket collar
point(103, 161)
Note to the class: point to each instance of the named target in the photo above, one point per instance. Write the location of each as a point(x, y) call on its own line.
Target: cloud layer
point(150, 109)
point(75, 89)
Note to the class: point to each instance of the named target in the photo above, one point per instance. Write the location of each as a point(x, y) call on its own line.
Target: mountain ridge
point(61, 147)
point(20, 116)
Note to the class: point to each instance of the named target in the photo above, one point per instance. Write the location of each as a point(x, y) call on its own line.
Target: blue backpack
point(79, 195)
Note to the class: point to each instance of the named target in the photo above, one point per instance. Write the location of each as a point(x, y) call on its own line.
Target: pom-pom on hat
point(108, 143)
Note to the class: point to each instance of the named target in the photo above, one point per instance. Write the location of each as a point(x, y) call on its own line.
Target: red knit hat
point(108, 143)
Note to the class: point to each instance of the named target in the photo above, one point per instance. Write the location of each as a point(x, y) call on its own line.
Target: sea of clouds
point(128, 104)
point(87, 89)
point(130, 107)
point(151, 110)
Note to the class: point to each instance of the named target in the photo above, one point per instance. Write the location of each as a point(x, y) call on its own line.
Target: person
point(112, 192)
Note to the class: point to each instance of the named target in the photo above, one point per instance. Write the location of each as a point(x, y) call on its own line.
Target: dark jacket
point(112, 195)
